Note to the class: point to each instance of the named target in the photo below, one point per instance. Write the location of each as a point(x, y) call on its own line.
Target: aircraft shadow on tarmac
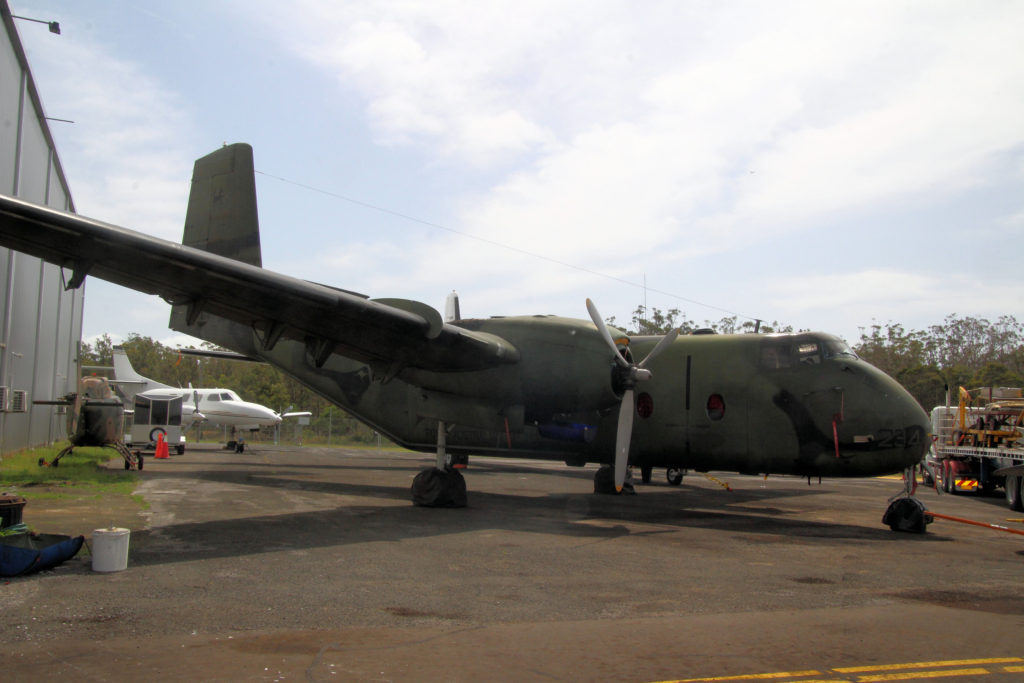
point(410, 462)
point(583, 516)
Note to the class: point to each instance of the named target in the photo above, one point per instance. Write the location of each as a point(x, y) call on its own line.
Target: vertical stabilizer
point(127, 379)
point(221, 215)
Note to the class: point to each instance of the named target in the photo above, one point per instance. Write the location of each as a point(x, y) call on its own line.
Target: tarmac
point(287, 563)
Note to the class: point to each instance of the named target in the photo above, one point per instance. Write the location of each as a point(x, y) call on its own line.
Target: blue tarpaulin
point(27, 553)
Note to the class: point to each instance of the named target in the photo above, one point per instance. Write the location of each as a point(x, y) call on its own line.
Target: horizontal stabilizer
point(224, 355)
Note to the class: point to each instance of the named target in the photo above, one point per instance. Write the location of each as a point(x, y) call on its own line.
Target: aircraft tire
point(604, 480)
point(240, 448)
point(645, 474)
point(907, 514)
point(140, 463)
point(127, 465)
point(1014, 493)
point(674, 476)
point(439, 488)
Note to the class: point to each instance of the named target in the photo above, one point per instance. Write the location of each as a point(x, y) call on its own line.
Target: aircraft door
point(717, 405)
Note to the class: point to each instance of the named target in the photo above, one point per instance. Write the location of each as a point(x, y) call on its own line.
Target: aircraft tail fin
point(128, 380)
point(222, 216)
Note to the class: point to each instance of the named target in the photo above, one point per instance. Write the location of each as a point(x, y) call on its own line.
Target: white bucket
point(110, 549)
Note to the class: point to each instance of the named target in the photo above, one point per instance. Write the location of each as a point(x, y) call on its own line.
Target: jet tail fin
point(221, 216)
point(127, 379)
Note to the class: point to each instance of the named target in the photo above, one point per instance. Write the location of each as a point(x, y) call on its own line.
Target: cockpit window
point(788, 352)
point(225, 397)
point(837, 348)
point(776, 355)
point(809, 353)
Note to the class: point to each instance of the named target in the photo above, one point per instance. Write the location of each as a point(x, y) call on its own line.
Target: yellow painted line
point(914, 675)
point(747, 677)
point(925, 665)
point(878, 672)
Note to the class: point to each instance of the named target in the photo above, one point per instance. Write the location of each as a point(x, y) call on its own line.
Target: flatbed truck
point(979, 443)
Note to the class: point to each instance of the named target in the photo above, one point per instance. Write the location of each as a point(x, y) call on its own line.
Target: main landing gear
point(442, 485)
point(673, 475)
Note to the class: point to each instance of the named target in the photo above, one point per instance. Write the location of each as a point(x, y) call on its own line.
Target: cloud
point(697, 127)
point(844, 300)
point(123, 157)
point(685, 144)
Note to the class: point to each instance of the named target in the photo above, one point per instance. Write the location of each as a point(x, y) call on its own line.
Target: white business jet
point(220, 407)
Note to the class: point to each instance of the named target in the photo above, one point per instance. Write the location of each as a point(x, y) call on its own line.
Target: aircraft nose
point(268, 415)
point(890, 427)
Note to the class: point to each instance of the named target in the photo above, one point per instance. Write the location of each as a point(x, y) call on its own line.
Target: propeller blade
point(662, 344)
point(623, 434)
point(603, 329)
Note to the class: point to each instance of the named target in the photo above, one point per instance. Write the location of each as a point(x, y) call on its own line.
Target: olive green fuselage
point(778, 404)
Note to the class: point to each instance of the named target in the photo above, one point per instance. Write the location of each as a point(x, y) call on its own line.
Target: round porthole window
point(644, 405)
point(716, 407)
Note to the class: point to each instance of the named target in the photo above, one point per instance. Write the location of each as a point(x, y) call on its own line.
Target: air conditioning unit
point(19, 401)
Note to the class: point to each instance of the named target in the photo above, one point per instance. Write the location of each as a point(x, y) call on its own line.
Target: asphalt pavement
point(288, 563)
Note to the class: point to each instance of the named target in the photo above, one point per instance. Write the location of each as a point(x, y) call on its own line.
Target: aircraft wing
point(392, 332)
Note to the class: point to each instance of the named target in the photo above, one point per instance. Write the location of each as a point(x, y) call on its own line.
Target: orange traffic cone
point(161, 447)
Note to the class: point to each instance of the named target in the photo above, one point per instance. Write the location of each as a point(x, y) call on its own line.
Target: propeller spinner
point(634, 372)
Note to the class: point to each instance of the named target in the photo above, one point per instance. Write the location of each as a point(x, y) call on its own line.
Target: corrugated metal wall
point(41, 324)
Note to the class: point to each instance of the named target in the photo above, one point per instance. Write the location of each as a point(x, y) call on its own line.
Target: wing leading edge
point(396, 333)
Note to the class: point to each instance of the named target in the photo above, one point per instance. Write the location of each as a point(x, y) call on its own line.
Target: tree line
point(961, 351)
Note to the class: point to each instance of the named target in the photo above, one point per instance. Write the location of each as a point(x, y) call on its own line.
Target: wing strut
point(78, 272)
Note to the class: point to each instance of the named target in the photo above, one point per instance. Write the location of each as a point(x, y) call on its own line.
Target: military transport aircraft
point(532, 386)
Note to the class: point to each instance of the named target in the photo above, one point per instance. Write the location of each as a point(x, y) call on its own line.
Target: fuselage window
point(644, 405)
point(213, 397)
point(716, 407)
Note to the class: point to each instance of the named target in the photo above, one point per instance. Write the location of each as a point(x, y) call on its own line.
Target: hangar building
point(40, 322)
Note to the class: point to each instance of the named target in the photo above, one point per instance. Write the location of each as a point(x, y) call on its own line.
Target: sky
point(828, 165)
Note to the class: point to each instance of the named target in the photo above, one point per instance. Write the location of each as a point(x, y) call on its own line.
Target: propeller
point(633, 373)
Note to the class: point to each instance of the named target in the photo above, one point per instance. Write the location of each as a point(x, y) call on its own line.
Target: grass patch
point(81, 469)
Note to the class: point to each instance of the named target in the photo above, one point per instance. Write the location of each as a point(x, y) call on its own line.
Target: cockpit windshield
point(802, 350)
